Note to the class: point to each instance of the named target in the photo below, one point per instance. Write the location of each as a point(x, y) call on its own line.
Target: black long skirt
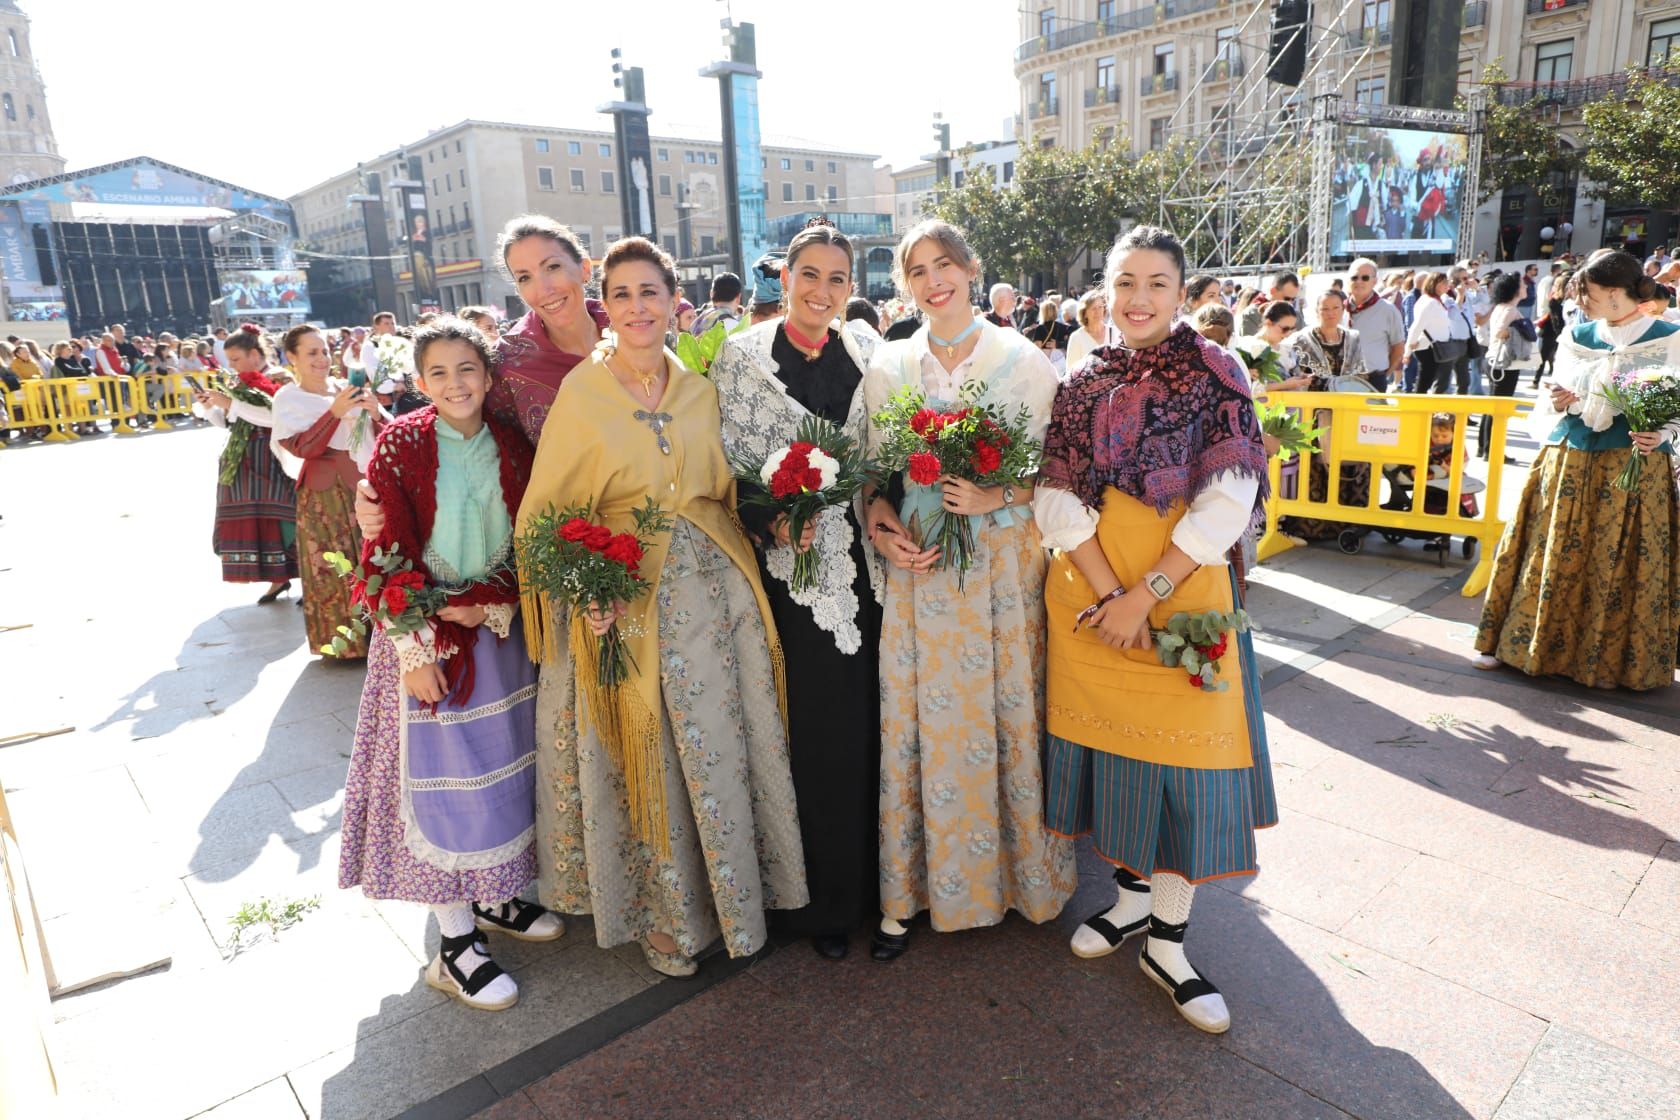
point(834, 739)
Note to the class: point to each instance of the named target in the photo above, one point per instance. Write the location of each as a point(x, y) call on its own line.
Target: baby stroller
point(1400, 486)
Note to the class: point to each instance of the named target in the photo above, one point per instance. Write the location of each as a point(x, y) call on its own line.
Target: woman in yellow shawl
point(665, 808)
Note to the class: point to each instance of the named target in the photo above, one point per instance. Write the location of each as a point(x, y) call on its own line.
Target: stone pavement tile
point(736, 1050)
point(1370, 1034)
point(83, 835)
point(176, 921)
point(214, 757)
point(227, 833)
point(1577, 791)
point(272, 1100)
point(319, 790)
point(282, 870)
point(1031, 1016)
point(1319, 872)
point(427, 1054)
point(1230, 1088)
point(1561, 961)
point(515, 1107)
point(1594, 859)
point(1573, 1075)
point(1656, 900)
point(1277, 649)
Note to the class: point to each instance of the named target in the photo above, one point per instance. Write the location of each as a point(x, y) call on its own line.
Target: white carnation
point(826, 465)
point(772, 465)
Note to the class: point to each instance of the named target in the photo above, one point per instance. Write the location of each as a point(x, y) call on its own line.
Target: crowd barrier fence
point(59, 405)
point(1390, 435)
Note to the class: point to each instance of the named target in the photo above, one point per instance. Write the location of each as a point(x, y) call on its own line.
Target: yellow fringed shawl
point(594, 450)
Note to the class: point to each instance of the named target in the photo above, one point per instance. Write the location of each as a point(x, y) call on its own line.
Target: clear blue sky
point(278, 96)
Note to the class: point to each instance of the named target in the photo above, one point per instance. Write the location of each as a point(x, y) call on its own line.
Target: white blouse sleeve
point(1064, 522)
point(252, 413)
point(1216, 518)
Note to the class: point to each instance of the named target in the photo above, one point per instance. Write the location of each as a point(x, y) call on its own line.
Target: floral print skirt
point(1586, 582)
point(734, 827)
point(326, 522)
point(962, 727)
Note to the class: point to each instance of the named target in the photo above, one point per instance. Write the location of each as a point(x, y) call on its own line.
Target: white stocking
point(1131, 907)
point(1165, 951)
point(455, 919)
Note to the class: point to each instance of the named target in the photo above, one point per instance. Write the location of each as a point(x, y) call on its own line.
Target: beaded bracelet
point(1090, 611)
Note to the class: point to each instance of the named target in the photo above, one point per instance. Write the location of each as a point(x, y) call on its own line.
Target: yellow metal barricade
point(162, 395)
point(1394, 432)
point(61, 402)
point(119, 401)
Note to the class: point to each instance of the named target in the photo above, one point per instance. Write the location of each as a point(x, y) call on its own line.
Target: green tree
point(1633, 151)
point(1520, 146)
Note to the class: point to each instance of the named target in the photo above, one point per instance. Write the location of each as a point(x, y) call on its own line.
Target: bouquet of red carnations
point(822, 467)
point(1197, 642)
point(973, 441)
point(573, 558)
point(1650, 400)
point(392, 594)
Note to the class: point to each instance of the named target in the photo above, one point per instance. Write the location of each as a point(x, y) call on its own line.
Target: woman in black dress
point(769, 378)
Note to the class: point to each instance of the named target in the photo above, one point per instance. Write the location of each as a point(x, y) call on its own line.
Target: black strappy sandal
point(1112, 934)
point(520, 919)
point(1198, 1000)
point(445, 974)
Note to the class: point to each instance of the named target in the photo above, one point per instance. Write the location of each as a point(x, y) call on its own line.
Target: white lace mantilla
point(758, 417)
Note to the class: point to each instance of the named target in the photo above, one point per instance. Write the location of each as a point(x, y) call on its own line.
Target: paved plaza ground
point(1471, 906)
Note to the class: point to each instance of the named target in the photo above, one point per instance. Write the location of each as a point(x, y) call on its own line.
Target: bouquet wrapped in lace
point(390, 593)
point(1197, 642)
point(573, 558)
point(822, 467)
point(1650, 400)
point(973, 441)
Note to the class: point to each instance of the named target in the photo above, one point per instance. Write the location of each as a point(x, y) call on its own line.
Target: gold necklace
point(647, 379)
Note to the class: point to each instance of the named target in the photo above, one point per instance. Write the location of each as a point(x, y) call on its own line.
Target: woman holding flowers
point(327, 429)
point(1153, 468)
point(771, 381)
point(256, 502)
point(439, 804)
point(962, 651)
point(665, 806)
point(1586, 582)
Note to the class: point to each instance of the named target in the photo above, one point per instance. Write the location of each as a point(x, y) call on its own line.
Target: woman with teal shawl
point(1586, 583)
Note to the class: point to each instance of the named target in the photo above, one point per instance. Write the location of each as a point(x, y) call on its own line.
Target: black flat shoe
point(884, 946)
point(274, 593)
point(831, 946)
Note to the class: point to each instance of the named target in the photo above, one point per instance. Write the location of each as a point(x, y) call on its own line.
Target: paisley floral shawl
point(1159, 424)
point(758, 417)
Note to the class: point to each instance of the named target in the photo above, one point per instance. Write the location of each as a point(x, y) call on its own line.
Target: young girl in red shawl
point(439, 804)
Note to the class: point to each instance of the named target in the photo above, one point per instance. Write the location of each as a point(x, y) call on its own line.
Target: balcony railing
point(1134, 20)
point(1381, 35)
point(1575, 92)
point(1224, 69)
point(1475, 13)
point(1102, 95)
point(1044, 107)
point(1159, 83)
point(1542, 7)
point(1173, 9)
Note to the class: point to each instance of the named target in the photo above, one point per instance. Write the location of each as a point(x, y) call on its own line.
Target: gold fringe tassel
point(778, 664)
point(542, 643)
point(630, 732)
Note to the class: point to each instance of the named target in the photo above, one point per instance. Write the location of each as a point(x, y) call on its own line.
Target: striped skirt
point(1148, 817)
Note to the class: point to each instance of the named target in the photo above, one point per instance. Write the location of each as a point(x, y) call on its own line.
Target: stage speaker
point(1423, 64)
point(1291, 22)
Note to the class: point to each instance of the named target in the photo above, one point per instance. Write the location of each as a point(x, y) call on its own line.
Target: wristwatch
point(1008, 495)
point(1159, 585)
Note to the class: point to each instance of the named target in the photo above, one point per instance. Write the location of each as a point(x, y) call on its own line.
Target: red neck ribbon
point(811, 347)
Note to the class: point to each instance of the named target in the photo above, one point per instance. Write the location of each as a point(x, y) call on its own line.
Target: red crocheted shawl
point(404, 475)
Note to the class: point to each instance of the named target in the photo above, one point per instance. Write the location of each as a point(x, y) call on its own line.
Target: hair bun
point(250, 328)
point(1648, 289)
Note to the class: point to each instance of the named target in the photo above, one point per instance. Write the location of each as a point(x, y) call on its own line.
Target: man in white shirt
point(1381, 327)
